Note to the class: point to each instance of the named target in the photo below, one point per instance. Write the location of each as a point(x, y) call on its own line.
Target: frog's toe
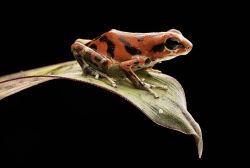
point(88, 70)
point(148, 87)
point(113, 84)
point(111, 80)
point(97, 76)
point(159, 87)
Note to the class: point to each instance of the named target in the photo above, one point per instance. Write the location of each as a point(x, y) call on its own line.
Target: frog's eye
point(175, 31)
point(173, 44)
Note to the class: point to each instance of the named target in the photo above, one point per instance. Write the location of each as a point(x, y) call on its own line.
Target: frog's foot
point(87, 70)
point(149, 87)
point(153, 70)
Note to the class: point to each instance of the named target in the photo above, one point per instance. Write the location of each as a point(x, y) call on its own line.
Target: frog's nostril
point(189, 47)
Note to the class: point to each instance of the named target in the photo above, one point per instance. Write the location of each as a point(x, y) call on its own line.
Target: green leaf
point(169, 110)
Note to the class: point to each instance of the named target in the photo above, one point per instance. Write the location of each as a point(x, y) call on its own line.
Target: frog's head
point(172, 44)
point(176, 43)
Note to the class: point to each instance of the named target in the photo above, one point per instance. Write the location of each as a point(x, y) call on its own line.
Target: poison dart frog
point(131, 51)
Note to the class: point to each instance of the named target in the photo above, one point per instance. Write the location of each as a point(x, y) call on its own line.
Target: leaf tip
point(200, 147)
point(199, 141)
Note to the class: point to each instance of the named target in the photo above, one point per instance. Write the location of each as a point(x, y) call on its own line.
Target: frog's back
point(119, 45)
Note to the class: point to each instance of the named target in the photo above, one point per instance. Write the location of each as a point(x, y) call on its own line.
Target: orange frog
point(131, 51)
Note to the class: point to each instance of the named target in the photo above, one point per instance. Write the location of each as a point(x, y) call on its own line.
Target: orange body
point(132, 51)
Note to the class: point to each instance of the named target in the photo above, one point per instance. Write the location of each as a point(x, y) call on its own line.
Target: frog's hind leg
point(91, 62)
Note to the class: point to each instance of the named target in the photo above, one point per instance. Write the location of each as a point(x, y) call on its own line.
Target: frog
point(131, 52)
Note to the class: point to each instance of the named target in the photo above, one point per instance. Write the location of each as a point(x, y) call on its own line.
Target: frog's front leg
point(137, 63)
point(91, 62)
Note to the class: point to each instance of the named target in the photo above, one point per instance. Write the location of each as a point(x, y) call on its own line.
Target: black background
point(63, 122)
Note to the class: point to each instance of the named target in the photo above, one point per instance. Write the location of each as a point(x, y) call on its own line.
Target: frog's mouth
point(83, 41)
point(169, 57)
point(178, 52)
